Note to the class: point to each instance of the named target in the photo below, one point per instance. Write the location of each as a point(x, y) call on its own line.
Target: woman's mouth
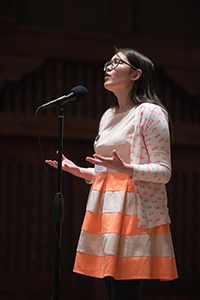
point(106, 76)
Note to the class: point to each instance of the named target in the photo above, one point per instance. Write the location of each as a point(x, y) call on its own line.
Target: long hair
point(145, 89)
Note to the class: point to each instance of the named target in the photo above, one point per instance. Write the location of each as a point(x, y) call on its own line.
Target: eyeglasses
point(115, 63)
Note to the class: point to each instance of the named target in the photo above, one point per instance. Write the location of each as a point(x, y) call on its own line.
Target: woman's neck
point(124, 104)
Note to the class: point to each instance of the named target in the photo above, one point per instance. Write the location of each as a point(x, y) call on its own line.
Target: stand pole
point(58, 207)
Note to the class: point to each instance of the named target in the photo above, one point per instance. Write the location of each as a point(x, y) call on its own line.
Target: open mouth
point(106, 76)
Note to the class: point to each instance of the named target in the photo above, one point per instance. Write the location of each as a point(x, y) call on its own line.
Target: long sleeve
point(153, 147)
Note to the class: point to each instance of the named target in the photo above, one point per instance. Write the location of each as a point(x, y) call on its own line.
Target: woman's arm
point(154, 130)
point(69, 166)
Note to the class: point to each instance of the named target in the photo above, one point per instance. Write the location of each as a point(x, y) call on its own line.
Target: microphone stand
point(58, 210)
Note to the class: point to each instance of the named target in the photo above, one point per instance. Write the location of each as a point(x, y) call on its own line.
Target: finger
point(52, 163)
point(115, 154)
point(98, 156)
point(93, 161)
point(48, 161)
point(102, 158)
point(90, 159)
point(63, 157)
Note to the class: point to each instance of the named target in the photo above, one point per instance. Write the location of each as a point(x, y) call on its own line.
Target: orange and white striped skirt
point(111, 244)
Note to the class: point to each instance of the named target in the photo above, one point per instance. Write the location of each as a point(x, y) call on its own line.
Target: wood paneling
point(30, 47)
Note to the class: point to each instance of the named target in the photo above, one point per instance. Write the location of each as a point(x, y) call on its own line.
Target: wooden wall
point(38, 66)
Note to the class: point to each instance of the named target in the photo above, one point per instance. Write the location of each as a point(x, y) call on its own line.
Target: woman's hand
point(115, 163)
point(67, 165)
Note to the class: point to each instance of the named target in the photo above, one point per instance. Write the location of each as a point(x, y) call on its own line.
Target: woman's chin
point(107, 86)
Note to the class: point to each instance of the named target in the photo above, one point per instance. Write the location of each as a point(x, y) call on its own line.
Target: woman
point(125, 235)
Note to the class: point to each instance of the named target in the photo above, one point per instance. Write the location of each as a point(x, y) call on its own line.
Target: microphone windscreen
point(80, 92)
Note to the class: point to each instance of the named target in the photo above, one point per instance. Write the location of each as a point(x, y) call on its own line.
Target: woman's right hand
point(67, 165)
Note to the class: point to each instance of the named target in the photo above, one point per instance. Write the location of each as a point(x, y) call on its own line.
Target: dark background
point(46, 48)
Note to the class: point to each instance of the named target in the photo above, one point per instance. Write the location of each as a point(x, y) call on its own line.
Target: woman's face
point(121, 78)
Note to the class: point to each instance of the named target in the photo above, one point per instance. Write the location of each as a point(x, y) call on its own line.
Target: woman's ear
point(137, 74)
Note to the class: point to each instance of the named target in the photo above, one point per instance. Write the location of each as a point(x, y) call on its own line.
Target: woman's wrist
point(128, 170)
point(85, 173)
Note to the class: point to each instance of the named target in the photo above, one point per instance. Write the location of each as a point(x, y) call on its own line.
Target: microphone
point(78, 93)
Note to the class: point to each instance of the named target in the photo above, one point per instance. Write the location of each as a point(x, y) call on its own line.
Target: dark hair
point(145, 89)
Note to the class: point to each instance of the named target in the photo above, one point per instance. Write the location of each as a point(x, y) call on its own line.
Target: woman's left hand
point(115, 163)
